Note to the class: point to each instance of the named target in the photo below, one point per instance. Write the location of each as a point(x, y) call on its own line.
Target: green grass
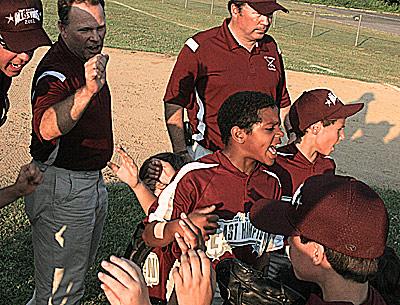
point(16, 256)
point(165, 27)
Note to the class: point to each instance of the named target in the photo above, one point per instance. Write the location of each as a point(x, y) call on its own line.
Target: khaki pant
point(67, 214)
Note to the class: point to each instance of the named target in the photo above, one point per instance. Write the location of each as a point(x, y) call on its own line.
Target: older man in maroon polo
point(214, 64)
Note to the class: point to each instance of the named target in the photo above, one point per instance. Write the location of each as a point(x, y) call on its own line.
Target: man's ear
point(234, 10)
point(318, 253)
point(61, 28)
point(238, 135)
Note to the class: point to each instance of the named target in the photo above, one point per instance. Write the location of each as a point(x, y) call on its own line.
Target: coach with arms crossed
point(71, 142)
point(213, 65)
point(21, 33)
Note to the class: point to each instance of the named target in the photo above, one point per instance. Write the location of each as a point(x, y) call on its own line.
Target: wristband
point(159, 230)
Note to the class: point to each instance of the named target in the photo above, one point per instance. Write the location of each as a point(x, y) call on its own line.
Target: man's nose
point(25, 56)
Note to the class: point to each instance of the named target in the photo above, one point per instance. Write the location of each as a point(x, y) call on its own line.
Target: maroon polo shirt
point(89, 144)
point(214, 180)
point(211, 67)
point(293, 168)
point(374, 298)
point(5, 83)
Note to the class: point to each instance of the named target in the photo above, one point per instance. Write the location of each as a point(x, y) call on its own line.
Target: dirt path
point(137, 81)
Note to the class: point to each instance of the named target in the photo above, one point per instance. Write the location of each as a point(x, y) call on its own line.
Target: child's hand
point(127, 171)
point(205, 220)
point(125, 284)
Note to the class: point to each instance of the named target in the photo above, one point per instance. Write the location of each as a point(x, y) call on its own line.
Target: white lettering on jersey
point(238, 232)
point(192, 44)
point(151, 270)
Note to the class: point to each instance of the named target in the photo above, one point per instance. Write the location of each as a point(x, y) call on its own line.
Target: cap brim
point(272, 216)
point(266, 8)
point(23, 41)
point(346, 111)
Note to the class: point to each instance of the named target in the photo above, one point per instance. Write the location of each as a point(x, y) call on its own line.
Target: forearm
point(167, 236)
point(144, 196)
point(174, 122)
point(59, 119)
point(9, 194)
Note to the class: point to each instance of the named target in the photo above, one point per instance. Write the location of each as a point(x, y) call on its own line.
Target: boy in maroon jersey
point(337, 228)
point(317, 118)
point(230, 180)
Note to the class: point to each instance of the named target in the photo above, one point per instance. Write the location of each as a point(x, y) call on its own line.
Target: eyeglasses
point(5, 105)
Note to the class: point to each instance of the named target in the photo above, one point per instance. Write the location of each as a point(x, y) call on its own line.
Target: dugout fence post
point(186, 3)
point(212, 7)
point(313, 22)
point(358, 30)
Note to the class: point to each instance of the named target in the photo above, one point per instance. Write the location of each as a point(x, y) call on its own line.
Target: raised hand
point(205, 220)
point(191, 237)
point(95, 73)
point(195, 279)
point(127, 171)
point(126, 285)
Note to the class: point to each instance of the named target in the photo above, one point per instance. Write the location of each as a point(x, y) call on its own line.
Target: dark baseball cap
point(21, 25)
point(339, 212)
point(264, 7)
point(319, 104)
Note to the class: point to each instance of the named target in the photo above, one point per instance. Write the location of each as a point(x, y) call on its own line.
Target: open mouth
point(272, 150)
point(15, 66)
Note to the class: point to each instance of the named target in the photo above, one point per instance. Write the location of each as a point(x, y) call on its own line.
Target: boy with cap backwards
point(317, 118)
point(21, 32)
point(337, 228)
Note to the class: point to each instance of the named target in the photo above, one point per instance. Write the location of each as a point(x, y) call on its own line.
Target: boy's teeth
point(272, 150)
point(15, 66)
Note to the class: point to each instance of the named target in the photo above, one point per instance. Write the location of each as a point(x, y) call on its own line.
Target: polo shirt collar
point(227, 164)
point(5, 82)
point(65, 50)
point(227, 36)
point(300, 157)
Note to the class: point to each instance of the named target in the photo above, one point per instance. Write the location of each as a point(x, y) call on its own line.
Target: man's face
point(85, 31)
point(329, 136)
point(251, 24)
point(260, 143)
point(11, 64)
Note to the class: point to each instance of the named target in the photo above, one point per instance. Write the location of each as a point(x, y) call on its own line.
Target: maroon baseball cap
point(316, 105)
point(264, 7)
point(21, 25)
point(338, 212)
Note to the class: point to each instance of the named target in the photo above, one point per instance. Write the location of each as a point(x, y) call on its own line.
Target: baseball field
point(143, 39)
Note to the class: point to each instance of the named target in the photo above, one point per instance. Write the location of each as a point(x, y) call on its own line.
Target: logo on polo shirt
point(26, 15)
point(238, 232)
point(270, 63)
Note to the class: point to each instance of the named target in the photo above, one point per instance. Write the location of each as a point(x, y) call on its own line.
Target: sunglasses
point(5, 105)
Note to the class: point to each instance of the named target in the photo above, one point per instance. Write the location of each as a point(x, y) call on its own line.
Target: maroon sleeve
point(181, 84)
point(48, 92)
point(177, 197)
